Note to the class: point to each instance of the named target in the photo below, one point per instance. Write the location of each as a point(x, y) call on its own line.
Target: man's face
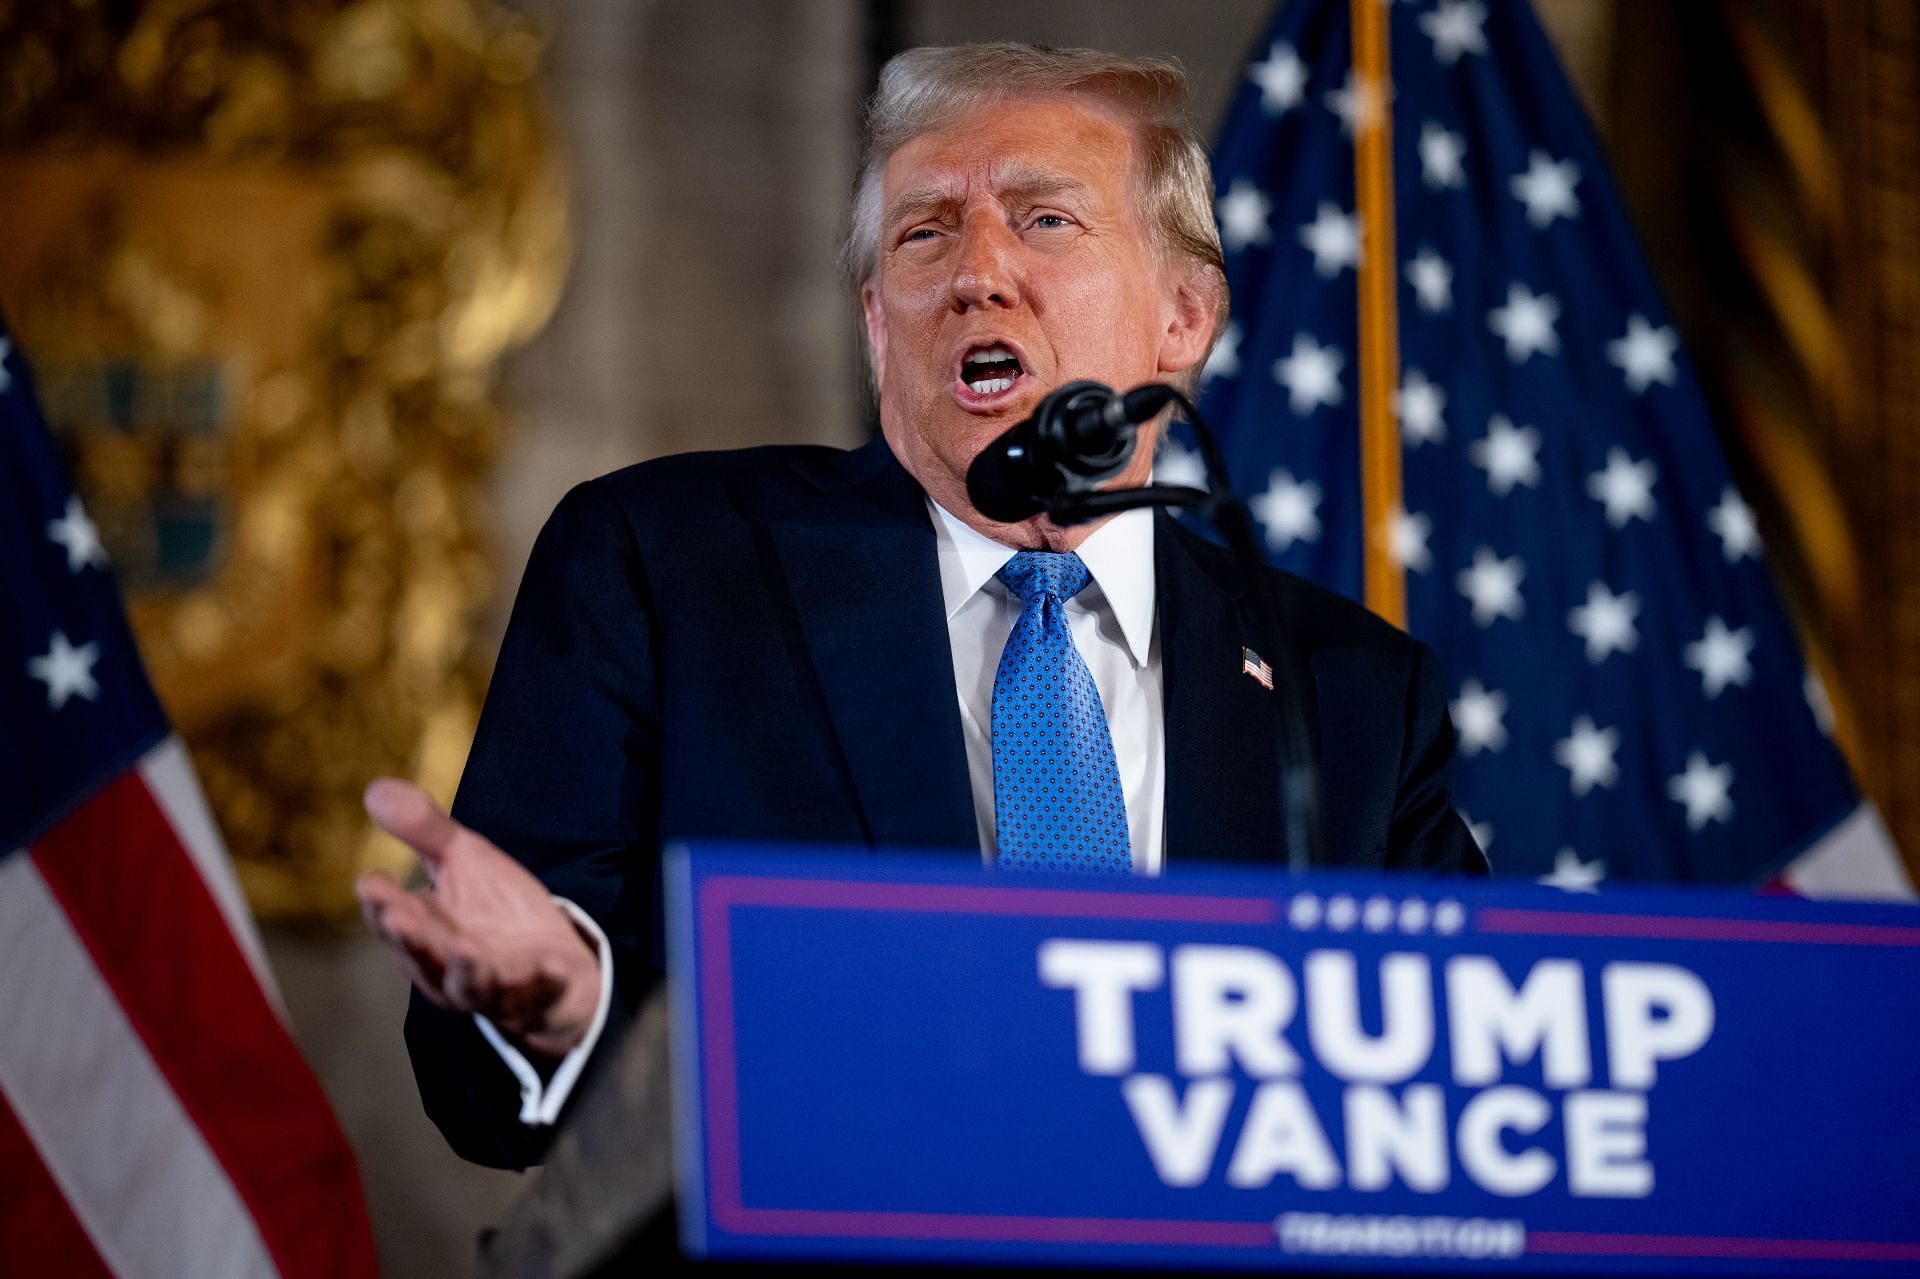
point(1012, 259)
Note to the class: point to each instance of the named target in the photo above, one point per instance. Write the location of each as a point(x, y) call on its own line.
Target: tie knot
point(1036, 575)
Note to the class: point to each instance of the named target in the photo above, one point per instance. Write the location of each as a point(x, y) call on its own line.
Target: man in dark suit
point(806, 644)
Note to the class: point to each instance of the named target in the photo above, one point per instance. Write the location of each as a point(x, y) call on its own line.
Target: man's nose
point(986, 272)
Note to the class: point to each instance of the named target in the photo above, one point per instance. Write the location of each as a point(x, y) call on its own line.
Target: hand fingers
point(411, 922)
point(526, 1005)
point(409, 814)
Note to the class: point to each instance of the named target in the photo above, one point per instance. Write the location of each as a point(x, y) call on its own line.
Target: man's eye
point(919, 233)
point(1050, 221)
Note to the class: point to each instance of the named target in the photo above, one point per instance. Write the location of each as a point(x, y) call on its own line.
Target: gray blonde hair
point(923, 89)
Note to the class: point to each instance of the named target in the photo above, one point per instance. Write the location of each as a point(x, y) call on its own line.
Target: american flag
point(155, 1116)
point(1629, 694)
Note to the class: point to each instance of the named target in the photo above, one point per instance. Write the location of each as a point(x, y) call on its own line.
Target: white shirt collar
point(1118, 555)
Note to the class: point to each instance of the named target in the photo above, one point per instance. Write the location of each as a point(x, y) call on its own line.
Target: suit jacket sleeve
point(564, 776)
point(1427, 834)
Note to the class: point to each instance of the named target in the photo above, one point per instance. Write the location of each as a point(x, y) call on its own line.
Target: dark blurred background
point(332, 301)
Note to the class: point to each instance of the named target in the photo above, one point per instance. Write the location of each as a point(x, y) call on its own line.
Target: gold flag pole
point(1386, 585)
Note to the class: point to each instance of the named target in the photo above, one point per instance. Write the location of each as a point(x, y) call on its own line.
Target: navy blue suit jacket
point(754, 645)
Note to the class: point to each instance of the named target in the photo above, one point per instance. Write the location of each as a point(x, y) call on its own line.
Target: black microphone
point(1080, 434)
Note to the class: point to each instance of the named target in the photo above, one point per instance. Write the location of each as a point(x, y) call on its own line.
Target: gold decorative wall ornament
point(264, 259)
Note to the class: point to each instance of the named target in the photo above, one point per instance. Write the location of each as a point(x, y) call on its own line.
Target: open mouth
point(989, 371)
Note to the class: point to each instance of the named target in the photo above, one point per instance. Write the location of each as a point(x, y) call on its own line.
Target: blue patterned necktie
point(1056, 787)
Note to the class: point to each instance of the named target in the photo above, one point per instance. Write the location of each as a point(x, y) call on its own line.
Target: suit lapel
point(861, 569)
point(1222, 766)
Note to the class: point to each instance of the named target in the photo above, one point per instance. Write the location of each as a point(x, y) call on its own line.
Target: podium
point(880, 1058)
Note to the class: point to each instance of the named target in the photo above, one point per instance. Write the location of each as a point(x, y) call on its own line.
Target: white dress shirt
point(1112, 623)
point(1113, 627)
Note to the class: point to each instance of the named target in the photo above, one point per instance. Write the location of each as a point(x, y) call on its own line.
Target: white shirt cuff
point(540, 1103)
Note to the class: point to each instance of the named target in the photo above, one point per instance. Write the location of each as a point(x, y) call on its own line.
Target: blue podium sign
point(891, 1057)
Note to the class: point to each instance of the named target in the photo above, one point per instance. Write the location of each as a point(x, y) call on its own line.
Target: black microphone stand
point(1298, 773)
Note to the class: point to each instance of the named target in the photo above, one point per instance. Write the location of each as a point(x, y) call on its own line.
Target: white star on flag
point(1546, 188)
point(1493, 584)
point(1407, 534)
point(1625, 488)
point(1526, 322)
point(1177, 465)
point(1509, 455)
point(1441, 154)
point(1420, 406)
point(1572, 875)
point(1304, 911)
point(1333, 237)
point(1704, 789)
point(1282, 79)
point(1288, 510)
point(1479, 719)
point(1224, 360)
point(6, 378)
point(1243, 216)
point(1815, 691)
point(76, 533)
point(1732, 522)
point(1482, 832)
point(1357, 102)
point(1432, 281)
point(66, 671)
point(1720, 655)
point(1454, 26)
point(1605, 622)
point(1449, 917)
point(1645, 354)
point(1311, 374)
point(1587, 755)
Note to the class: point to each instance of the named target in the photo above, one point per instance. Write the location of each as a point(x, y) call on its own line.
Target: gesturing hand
point(485, 936)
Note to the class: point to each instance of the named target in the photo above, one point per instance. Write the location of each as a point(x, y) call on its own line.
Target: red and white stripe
point(1856, 859)
point(157, 1118)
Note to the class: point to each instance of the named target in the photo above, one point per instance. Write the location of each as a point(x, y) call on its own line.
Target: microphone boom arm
point(1298, 779)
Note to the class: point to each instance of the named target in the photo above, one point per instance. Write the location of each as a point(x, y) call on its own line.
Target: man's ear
point(1193, 304)
point(876, 323)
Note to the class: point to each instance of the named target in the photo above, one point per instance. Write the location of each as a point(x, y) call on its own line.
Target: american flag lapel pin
point(1255, 667)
